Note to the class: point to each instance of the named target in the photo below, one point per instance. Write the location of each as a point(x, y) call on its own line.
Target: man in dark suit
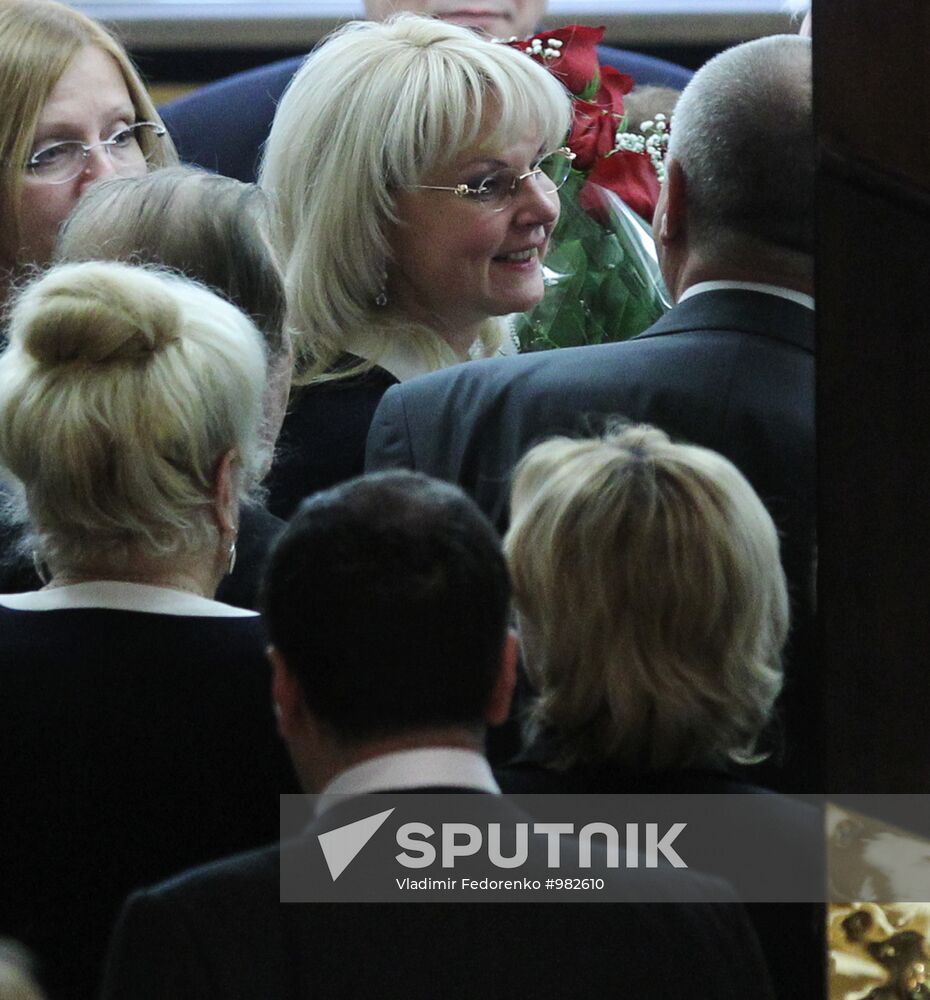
point(386, 603)
point(730, 367)
point(224, 125)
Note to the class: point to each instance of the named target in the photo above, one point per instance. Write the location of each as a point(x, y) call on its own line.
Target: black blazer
point(220, 933)
point(223, 126)
point(132, 746)
point(730, 370)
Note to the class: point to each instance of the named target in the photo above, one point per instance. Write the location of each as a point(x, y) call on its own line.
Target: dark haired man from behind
point(386, 602)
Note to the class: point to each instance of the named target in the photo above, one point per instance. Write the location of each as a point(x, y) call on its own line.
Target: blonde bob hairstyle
point(376, 108)
point(648, 582)
point(38, 38)
point(139, 381)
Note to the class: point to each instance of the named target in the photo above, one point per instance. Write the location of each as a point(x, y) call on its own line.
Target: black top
point(132, 745)
point(322, 441)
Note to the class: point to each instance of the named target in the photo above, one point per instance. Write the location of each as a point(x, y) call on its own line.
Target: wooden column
point(872, 113)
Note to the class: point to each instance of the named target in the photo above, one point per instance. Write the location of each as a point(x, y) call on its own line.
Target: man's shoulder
point(710, 325)
point(248, 877)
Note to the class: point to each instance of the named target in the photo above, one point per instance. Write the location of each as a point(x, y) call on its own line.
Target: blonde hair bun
point(97, 314)
point(141, 381)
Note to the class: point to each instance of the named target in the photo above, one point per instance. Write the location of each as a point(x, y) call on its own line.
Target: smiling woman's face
point(89, 103)
point(499, 18)
point(457, 262)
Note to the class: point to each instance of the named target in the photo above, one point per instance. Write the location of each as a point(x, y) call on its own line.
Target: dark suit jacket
point(224, 125)
point(791, 934)
point(220, 933)
point(730, 370)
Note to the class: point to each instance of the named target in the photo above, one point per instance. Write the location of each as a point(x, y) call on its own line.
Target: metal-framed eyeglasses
point(63, 161)
point(498, 189)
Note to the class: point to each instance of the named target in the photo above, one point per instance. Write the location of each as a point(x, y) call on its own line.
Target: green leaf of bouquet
point(591, 90)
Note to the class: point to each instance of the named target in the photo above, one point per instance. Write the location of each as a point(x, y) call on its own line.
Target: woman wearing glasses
point(74, 110)
point(415, 167)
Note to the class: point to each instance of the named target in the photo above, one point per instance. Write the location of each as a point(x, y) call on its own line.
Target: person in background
point(215, 230)
point(420, 222)
point(224, 125)
point(74, 111)
point(387, 605)
point(644, 103)
point(136, 735)
point(730, 367)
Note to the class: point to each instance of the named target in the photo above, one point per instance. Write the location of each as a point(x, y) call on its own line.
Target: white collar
point(404, 361)
point(430, 766)
point(801, 298)
point(398, 357)
point(117, 595)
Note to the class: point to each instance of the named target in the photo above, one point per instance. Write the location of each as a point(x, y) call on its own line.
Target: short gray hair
point(372, 111)
point(648, 581)
point(743, 134)
point(211, 228)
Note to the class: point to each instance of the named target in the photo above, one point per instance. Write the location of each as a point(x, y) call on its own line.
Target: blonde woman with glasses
point(74, 110)
point(415, 167)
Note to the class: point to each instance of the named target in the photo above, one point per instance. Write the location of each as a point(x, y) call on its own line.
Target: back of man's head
point(387, 598)
point(743, 135)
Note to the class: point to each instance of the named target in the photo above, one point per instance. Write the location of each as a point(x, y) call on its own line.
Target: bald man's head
point(500, 18)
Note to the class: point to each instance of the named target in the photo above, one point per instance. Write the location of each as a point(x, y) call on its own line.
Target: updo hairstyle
point(652, 600)
point(121, 389)
point(375, 109)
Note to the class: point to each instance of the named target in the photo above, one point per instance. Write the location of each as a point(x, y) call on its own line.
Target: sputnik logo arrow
point(340, 846)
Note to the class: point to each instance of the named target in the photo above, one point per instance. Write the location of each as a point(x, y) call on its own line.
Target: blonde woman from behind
point(653, 611)
point(136, 736)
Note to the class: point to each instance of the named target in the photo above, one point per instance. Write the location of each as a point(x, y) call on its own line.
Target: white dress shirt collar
point(449, 767)
point(801, 298)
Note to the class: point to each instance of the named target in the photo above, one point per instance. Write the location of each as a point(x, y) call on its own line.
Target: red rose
point(594, 123)
point(613, 86)
point(630, 175)
point(576, 64)
point(593, 133)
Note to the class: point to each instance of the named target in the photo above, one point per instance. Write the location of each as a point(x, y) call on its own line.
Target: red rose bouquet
point(602, 276)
